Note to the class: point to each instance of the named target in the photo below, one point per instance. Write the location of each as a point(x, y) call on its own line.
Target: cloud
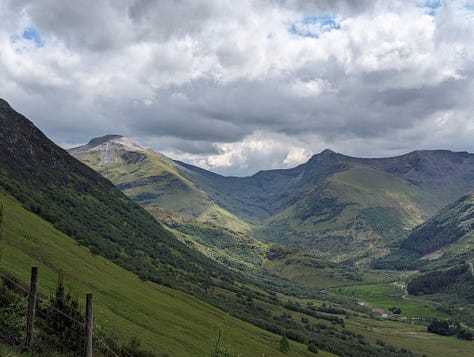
point(243, 86)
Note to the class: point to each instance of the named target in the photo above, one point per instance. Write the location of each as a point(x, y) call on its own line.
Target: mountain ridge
point(365, 204)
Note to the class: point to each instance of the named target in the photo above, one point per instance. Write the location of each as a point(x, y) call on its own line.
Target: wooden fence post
point(31, 308)
point(89, 324)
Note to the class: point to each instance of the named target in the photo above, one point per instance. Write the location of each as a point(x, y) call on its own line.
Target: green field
point(409, 330)
point(385, 296)
point(411, 336)
point(165, 320)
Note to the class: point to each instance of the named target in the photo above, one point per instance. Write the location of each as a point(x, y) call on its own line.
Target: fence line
point(46, 317)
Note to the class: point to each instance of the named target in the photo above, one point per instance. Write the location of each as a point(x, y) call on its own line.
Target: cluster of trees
point(328, 333)
point(401, 259)
point(450, 328)
point(395, 310)
point(228, 247)
point(442, 280)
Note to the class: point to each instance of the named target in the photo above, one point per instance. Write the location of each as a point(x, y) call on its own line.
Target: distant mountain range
point(339, 207)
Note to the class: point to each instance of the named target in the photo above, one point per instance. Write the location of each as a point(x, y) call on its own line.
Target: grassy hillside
point(231, 248)
point(308, 270)
point(444, 240)
point(442, 250)
point(356, 214)
point(153, 181)
point(445, 228)
point(164, 319)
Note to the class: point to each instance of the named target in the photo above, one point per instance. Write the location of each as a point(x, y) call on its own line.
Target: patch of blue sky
point(314, 26)
point(31, 34)
point(469, 6)
point(430, 6)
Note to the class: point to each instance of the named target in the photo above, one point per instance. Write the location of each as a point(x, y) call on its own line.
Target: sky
point(241, 86)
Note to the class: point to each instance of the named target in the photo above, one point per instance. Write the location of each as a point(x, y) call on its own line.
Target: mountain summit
point(109, 147)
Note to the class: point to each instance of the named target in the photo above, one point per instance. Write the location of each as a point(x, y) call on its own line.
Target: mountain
point(89, 208)
point(343, 208)
point(153, 180)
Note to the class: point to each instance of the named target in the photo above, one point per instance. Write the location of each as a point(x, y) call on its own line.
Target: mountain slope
point(444, 240)
point(357, 211)
point(152, 180)
point(165, 320)
point(442, 249)
point(452, 225)
point(86, 206)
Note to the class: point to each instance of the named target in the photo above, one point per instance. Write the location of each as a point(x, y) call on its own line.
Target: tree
point(284, 344)
point(312, 347)
point(63, 328)
point(222, 351)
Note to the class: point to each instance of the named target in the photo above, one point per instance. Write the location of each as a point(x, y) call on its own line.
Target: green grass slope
point(445, 249)
point(443, 241)
point(449, 226)
point(165, 320)
point(153, 180)
point(356, 214)
point(442, 250)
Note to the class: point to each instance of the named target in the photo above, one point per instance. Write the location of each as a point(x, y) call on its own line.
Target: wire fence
point(11, 336)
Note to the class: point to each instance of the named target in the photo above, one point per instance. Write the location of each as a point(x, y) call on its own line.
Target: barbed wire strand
point(11, 336)
point(39, 299)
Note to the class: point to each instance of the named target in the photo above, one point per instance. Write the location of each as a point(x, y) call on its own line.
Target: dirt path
point(407, 297)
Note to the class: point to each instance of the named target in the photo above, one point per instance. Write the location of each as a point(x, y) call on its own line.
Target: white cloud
point(296, 156)
point(233, 87)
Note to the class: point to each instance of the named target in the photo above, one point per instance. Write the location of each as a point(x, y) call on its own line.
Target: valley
point(177, 256)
